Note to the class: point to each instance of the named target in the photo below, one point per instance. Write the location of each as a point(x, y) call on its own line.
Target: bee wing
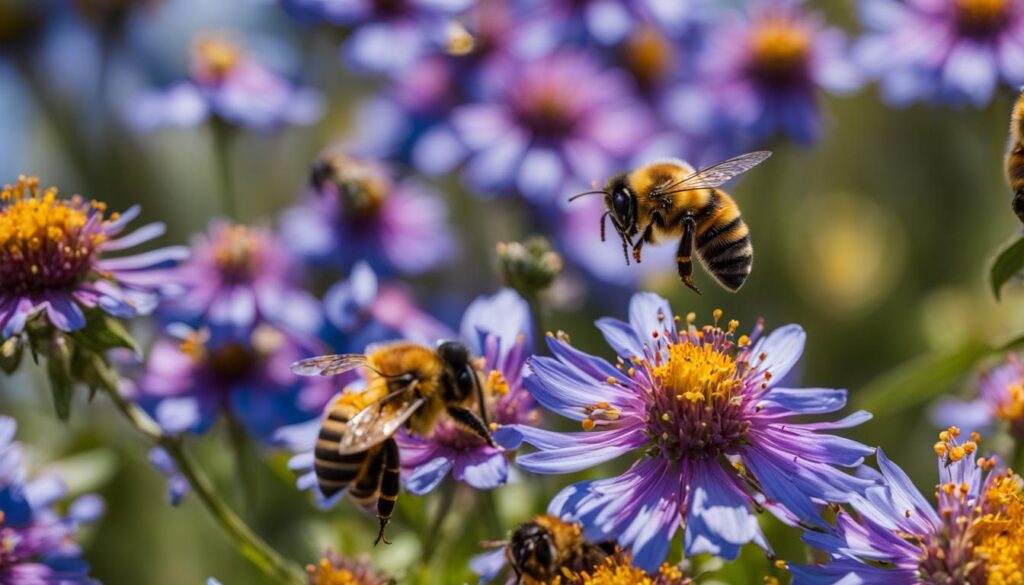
point(720, 173)
point(329, 365)
point(378, 421)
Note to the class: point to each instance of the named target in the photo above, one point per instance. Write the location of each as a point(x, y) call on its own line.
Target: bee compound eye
point(620, 201)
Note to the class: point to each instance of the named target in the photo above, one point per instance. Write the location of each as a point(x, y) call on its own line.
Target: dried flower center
point(237, 252)
point(648, 56)
point(779, 51)
point(214, 58)
point(547, 110)
point(46, 242)
point(697, 410)
point(980, 18)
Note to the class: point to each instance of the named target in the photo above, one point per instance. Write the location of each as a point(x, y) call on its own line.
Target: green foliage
point(1009, 262)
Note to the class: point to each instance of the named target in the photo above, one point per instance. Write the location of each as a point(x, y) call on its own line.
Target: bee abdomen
point(334, 471)
point(727, 253)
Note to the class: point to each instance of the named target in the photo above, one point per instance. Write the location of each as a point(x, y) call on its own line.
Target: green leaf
point(103, 332)
point(1008, 263)
point(58, 369)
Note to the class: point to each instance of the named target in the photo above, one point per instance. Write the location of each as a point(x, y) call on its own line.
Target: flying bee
point(408, 385)
point(362, 186)
point(541, 548)
point(1015, 157)
point(669, 199)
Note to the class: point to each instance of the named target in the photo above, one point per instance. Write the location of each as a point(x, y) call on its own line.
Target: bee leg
point(389, 487)
point(470, 420)
point(684, 256)
point(1018, 204)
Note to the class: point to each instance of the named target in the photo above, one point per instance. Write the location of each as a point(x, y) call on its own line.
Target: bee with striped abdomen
point(362, 186)
point(540, 549)
point(408, 385)
point(1015, 157)
point(669, 199)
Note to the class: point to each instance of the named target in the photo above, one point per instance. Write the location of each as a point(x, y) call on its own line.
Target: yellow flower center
point(327, 574)
point(46, 242)
point(214, 57)
point(648, 55)
point(618, 570)
point(699, 373)
point(999, 534)
point(1012, 407)
point(981, 17)
point(779, 50)
point(236, 252)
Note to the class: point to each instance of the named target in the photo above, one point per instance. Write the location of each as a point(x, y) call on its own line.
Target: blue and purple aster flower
point(388, 36)
point(355, 211)
point(550, 125)
point(610, 21)
point(497, 329)
point(1000, 400)
point(720, 438)
point(232, 86)
point(952, 51)
point(240, 275)
point(765, 71)
point(54, 264)
point(893, 535)
point(36, 544)
point(192, 378)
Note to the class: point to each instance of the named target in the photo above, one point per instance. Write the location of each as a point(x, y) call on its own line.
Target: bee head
point(532, 551)
point(321, 172)
point(620, 201)
point(458, 361)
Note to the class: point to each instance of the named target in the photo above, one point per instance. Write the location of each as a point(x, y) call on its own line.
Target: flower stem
point(540, 346)
point(223, 137)
point(493, 517)
point(248, 542)
point(434, 532)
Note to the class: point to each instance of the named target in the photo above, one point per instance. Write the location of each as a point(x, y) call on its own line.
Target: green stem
point(493, 518)
point(540, 346)
point(223, 138)
point(248, 542)
point(244, 460)
point(434, 532)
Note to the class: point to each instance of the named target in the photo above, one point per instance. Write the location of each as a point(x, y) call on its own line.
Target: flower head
point(1000, 400)
point(53, 260)
point(549, 124)
point(894, 535)
point(355, 211)
point(942, 50)
point(335, 569)
point(766, 71)
point(239, 276)
point(193, 377)
point(618, 569)
point(36, 544)
point(232, 86)
point(719, 434)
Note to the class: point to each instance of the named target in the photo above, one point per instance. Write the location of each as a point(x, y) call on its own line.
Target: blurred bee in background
point(539, 550)
point(409, 385)
point(1015, 157)
point(362, 186)
point(669, 199)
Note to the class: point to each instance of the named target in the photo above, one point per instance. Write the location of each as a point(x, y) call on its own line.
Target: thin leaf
point(1008, 263)
point(103, 332)
point(58, 370)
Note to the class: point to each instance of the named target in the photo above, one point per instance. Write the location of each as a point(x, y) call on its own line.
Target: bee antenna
point(603, 218)
point(625, 249)
point(585, 193)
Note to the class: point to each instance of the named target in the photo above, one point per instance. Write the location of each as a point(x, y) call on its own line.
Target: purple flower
point(550, 125)
point(1000, 398)
point(194, 377)
point(387, 36)
point(610, 21)
point(894, 535)
point(765, 72)
point(238, 276)
point(720, 437)
point(229, 85)
point(36, 543)
point(942, 50)
point(497, 328)
point(355, 211)
point(53, 260)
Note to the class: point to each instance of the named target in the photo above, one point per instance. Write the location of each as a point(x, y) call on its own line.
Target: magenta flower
point(942, 50)
point(232, 86)
point(550, 125)
point(893, 535)
point(239, 276)
point(53, 260)
point(357, 212)
point(720, 438)
point(765, 71)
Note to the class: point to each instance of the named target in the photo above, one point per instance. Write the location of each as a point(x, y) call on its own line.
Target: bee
point(1015, 157)
point(669, 199)
point(409, 385)
point(361, 186)
point(541, 548)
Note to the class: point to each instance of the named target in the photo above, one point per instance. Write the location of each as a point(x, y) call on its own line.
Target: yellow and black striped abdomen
point(1015, 157)
point(723, 243)
point(334, 471)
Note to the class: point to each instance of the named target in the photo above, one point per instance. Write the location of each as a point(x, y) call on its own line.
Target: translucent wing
point(720, 173)
point(330, 365)
point(378, 421)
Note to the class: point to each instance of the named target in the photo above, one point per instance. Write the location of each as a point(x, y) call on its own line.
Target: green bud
point(529, 267)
